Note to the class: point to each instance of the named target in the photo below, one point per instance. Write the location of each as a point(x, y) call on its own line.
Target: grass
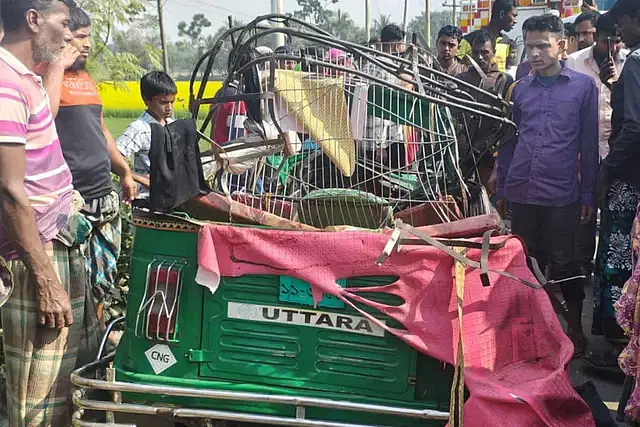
point(117, 125)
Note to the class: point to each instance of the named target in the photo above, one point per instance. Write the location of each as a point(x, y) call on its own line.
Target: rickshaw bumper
point(81, 379)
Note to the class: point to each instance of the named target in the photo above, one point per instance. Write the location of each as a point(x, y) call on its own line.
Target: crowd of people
point(575, 100)
point(574, 103)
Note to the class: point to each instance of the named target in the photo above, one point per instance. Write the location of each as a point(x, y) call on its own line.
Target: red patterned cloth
point(516, 354)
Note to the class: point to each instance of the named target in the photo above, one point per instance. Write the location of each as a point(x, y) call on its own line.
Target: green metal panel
point(214, 351)
point(300, 355)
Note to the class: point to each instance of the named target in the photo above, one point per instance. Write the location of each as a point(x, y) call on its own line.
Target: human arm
point(52, 302)
point(119, 166)
point(625, 152)
point(589, 146)
point(53, 75)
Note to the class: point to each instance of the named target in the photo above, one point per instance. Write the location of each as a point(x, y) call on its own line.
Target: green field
point(117, 125)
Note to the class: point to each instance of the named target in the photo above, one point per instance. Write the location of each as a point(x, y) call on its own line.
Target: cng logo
point(160, 357)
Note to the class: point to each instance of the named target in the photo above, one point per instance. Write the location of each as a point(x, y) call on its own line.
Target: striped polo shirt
point(25, 118)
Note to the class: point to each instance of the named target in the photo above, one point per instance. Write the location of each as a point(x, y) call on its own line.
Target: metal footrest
point(80, 378)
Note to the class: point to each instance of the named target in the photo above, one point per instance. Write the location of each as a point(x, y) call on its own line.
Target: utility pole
point(404, 18)
point(163, 38)
point(454, 11)
point(367, 20)
point(277, 6)
point(427, 16)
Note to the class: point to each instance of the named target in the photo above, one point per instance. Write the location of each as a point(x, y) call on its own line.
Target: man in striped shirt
point(44, 319)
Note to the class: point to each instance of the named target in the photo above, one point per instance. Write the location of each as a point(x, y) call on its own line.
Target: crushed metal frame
point(82, 381)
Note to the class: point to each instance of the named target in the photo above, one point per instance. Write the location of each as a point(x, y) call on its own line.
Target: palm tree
point(378, 24)
point(341, 25)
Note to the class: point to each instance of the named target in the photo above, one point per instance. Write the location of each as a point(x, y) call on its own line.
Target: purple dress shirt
point(523, 70)
point(554, 159)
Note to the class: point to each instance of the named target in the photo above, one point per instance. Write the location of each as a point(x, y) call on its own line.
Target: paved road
point(609, 384)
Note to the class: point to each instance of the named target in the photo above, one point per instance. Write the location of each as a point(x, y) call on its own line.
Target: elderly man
point(47, 320)
point(90, 152)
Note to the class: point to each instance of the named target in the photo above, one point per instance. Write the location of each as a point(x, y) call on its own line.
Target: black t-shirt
point(79, 125)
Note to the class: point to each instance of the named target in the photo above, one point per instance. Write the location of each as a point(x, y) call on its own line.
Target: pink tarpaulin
point(515, 352)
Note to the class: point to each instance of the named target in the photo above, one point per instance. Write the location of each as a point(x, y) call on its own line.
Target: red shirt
point(227, 118)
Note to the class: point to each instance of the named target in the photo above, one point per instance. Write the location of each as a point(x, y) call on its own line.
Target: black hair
point(450, 31)
point(570, 29)
point(622, 8)
point(544, 23)
point(606, 25)
point(587, 17)
point(391, 33)
point(12, 12)
point(483, 36)
point(156, 83)
point(505, 6)
point(78, 18)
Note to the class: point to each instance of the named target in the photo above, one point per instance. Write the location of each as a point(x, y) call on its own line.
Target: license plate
point(298, 291)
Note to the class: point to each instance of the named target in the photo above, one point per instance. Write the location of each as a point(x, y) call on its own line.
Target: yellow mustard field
point(127, 101)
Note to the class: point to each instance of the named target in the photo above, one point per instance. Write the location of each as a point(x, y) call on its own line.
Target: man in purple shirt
point(549, 172)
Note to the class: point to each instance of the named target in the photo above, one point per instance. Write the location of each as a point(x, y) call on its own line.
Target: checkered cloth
point(39, 360)
point(104, 243)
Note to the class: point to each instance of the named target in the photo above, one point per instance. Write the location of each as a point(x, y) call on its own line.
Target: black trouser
point(586, 244)
point(550, 235)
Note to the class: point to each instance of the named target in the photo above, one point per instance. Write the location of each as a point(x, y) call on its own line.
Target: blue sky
point(245, 10)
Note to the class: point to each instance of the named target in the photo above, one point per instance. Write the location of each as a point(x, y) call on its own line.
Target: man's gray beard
point(43, 53)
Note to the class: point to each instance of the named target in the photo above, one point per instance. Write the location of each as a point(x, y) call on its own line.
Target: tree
point(194, 31)
point(314, 11)
point(105, 64)
point(418, 25)
point(142, 39)
point(381, 22)
point(341, 25)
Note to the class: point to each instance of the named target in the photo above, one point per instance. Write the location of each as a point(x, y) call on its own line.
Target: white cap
point(554, 12)
point(264, 50)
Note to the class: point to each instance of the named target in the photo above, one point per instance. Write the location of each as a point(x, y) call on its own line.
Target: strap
point(464, 260)
point(456, 403)
point(507, 97)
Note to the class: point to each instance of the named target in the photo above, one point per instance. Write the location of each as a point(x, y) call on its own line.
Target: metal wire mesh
point(330, 133)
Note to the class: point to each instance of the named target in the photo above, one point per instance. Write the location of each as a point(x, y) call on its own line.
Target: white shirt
point(583, 62)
